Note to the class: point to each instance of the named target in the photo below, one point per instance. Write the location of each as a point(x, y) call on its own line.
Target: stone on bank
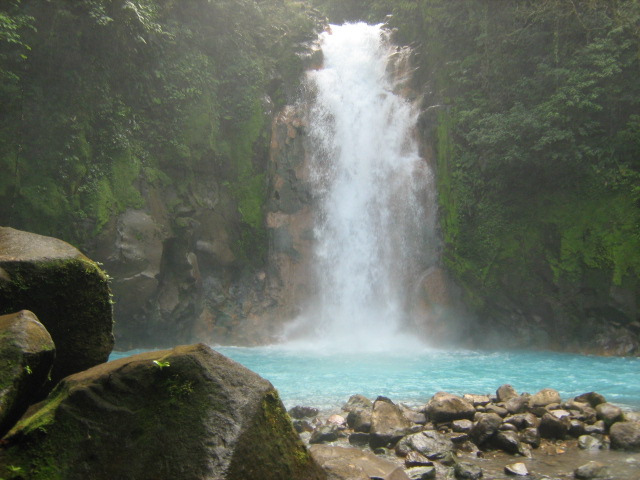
point(187, 413)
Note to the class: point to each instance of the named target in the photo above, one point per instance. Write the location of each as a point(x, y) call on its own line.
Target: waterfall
point(372, 193)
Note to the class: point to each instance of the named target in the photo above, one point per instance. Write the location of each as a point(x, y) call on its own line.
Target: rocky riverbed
point(501, 436)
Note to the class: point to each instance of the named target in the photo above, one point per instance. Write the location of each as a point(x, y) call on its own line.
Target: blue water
point(327, 381)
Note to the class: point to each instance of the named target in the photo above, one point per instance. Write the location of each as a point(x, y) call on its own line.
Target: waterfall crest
point(371, 192)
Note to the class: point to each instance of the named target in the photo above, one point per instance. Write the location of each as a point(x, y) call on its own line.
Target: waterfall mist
point(374, 218)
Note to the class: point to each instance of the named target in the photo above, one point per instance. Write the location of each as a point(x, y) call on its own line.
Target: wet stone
point(414, 459)
point(592, 398)
point(467, 471)
point(518, 469)
point(608, 413)
point(592, 470)
point(506, 392)
point(421, 473)
point(359, 439)
point(588, 442)
point(300, 412)
point(463, 426)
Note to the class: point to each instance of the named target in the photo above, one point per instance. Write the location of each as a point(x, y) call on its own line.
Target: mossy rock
point(187, 413)
point(68, 293)
point(26, 357)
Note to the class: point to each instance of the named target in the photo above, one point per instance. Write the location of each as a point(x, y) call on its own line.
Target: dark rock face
point(67, 292)
point(204, 415)
point(26, 357)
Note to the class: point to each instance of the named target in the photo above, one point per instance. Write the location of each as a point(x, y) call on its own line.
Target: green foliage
point(117, 94)
point(160, 364)
point(537, 157)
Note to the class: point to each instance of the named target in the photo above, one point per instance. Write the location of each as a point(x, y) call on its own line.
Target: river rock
point(353, 464)
point(592, 398)
point(26, 358)
point(506, 392)
point(517, 404)
point(421, 473)
point(598, 428)
point(631, 417)
point(625, 436)
point(337, 420)
point(415, 459)
point(497, 409)
point(418, 418)
point(467, 471)
point(300, 412)
point(462, 426)
point(523, 420)
point(552, 427)
point(581, 411)
point(360, 420)
point(388, 424)
point(445, 407)
point(67, 292)
point(589, 442)
point(531, 436)
point(576, 428)
point(507, 441)
point(357, 402)
point(359, 439)
point(476, 400)
point(592, 470)
point(183, 413)
point(544, 397)
point(518, 469)
point(608, 413)
point(486, 426)
point(429, 443)
point(302, 426)
point(324, 434)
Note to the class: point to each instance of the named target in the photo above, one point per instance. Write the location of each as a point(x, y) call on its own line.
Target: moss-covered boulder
point(187, 413)
point(68, 292)
point(26, 358)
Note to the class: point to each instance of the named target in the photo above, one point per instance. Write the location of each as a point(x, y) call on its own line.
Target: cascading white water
point(371, 186)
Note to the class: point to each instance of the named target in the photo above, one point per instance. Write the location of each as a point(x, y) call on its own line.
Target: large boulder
point(187, 413)
point(26, 358)
point(388, 424)
point(445, 407)
point(625, 435)
point(354, 464)
point(68, 293)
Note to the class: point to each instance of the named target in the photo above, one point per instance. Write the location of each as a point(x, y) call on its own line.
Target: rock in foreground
point(26, 357)
point(187, 413)
point(353, 464)
point(68, 293)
